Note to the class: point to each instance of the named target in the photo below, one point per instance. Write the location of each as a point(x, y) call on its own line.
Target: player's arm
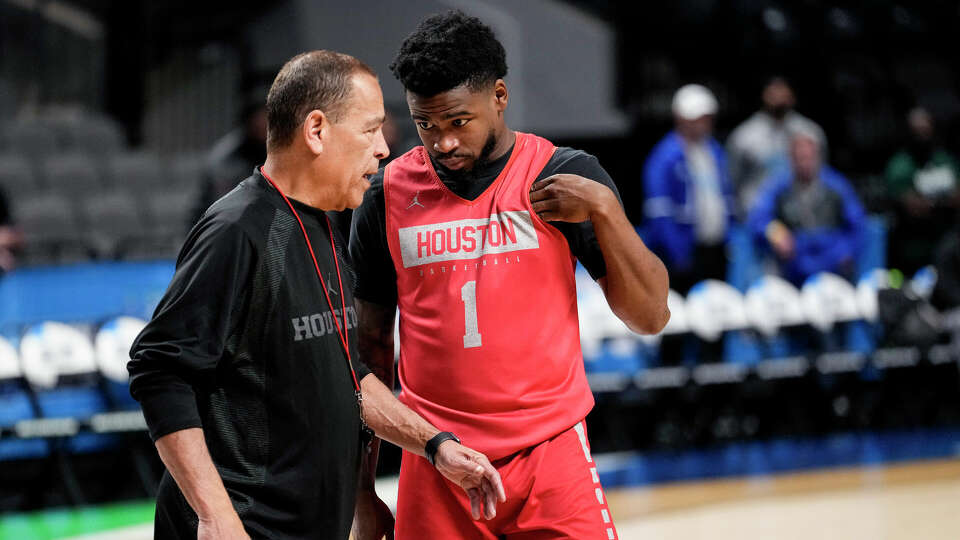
point(375, 345)
point(395, 422)
point(636, 282)
point(184, 454)
point(373, 518)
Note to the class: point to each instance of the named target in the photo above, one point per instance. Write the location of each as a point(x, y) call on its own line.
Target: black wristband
point(434, 444)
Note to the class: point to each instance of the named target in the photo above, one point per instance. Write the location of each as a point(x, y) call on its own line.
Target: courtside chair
point(139, 171)
point(113, 222)
point(73, 174)
point(112, 346)
point(50, 228)
point(60, 363)
point(95, 136)
point(17, 176)
point(32, 138)
point(16, 406)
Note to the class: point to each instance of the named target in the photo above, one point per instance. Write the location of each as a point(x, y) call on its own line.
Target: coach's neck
point(297, 172)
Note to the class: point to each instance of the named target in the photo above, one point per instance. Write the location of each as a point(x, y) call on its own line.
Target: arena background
point(114, 113)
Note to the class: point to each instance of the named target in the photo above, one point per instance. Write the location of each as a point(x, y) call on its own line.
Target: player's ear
point(500, 95)
point(314, 130)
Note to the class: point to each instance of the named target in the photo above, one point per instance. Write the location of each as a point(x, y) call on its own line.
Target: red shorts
point(553, 491)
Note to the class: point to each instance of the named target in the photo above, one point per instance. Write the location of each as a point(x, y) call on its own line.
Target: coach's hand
point(372, 519)
point(227, 527)
point(570, 198)
point(473, 472)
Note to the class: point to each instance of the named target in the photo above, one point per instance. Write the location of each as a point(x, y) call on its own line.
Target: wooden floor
point(919, 501)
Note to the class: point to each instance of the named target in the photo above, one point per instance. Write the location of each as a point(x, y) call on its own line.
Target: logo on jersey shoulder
point(416, 201)
point(467, 238)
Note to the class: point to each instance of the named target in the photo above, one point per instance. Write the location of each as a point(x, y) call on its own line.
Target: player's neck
point(504, 144)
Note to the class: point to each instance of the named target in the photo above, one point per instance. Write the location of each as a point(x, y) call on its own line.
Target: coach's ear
point(315, 130)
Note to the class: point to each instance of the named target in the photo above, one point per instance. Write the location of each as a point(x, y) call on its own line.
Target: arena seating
point(79, 194)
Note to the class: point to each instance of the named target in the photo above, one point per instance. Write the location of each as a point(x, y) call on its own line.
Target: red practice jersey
point(489, 336)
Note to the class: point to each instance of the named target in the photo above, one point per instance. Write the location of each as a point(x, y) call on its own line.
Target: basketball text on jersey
point(467, 238)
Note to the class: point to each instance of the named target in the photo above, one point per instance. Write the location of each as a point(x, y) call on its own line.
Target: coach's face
point(461, 127)
point(355, 143)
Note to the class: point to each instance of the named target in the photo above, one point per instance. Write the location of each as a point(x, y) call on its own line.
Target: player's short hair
point(446, 51)
point(316, 80)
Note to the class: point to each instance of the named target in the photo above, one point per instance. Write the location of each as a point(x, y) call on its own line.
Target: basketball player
point(474, 235)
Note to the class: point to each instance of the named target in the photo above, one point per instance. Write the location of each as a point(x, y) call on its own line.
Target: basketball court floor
point(914, 501)
point(918, 500)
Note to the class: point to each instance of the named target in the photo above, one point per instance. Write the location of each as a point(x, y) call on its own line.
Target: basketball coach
point(245, 373)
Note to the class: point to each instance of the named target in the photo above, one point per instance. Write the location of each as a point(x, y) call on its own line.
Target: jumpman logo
point(329, 284)
point(416, 201)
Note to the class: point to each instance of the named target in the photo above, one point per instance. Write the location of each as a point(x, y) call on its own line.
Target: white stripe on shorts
point(583, 441)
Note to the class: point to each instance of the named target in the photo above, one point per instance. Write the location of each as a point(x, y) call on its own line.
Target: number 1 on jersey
point(469, 296)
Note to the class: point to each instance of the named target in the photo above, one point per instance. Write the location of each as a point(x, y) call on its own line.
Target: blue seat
point(118, 394)
point(746, 266)
point(77, 402)
point(615, 358)
point(15, 406)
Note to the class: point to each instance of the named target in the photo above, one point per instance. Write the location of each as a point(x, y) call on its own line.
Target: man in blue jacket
point(689, 196)
point(810, 216)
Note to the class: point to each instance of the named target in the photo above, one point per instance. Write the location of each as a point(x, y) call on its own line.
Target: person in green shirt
point(923, 181)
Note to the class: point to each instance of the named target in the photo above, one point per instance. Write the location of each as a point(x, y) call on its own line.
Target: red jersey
point(489, 335)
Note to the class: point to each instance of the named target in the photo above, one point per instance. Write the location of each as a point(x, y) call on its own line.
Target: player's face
point(460, 127)
point(356, 144)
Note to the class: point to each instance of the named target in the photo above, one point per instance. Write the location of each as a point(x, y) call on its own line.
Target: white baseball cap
point(693, 101)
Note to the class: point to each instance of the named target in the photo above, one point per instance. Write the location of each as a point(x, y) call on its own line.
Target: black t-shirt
point(243, 344)
point(376, 275)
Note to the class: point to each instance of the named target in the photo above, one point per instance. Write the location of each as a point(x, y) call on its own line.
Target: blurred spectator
point(809, 216)
point(946, 293)
point(689, 198)
point(10, 238)
point(760, 147)
point(922, 179)
point(234, 156)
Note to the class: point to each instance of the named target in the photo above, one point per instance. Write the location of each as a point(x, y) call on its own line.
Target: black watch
point(434, 444)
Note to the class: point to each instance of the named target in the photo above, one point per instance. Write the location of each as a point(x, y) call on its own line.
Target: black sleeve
point(376, 276)
point(180, 347)
point(580, 236)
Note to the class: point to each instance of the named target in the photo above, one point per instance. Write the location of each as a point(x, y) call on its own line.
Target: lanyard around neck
point(344, 336)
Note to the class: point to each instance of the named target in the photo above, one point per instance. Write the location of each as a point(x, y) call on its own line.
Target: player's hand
point(226, 527)
point(473, 472)
point(372, 519)
point(781, 239)
point(570, 198)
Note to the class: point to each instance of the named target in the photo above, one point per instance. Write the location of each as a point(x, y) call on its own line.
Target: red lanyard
point(344, 336)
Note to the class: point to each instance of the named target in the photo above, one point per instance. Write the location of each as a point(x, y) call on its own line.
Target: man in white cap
point(689, 197)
